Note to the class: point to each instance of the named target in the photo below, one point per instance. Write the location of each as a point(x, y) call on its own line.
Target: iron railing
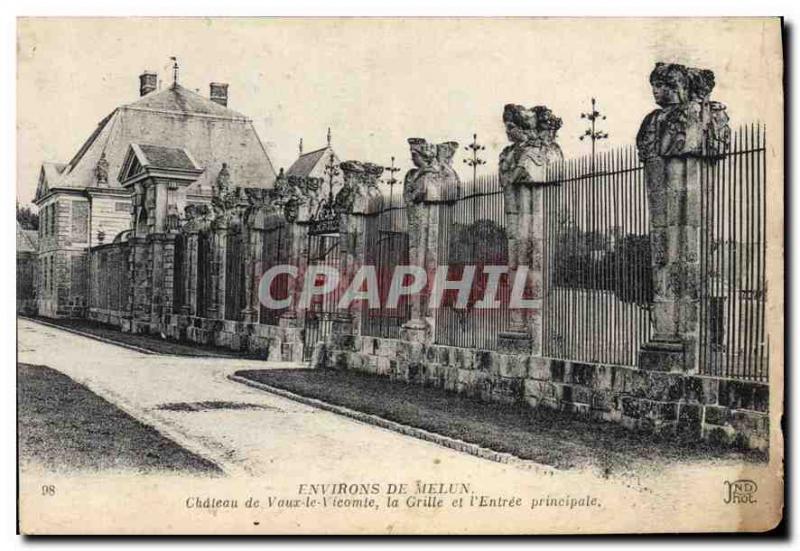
point(386, 247)
point(733, 291)
point(205, 283)
point(275, 251)
point(234, 275)
point(597, 274)
point(472, 232)
point(110, 283)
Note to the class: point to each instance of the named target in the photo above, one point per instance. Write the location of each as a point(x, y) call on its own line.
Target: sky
point(377, 82)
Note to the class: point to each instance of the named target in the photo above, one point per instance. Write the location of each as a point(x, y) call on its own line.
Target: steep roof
point(312, 163)
point(177, 99)
point(27, 240)
point(53, 170)
point(158, 156)
point(180, 119)
point(49, 175)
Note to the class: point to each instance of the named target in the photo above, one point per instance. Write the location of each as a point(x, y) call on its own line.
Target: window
point(51, 218)
point(80, 221)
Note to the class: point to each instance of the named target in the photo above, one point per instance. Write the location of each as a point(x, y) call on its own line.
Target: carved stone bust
point(433, 174)
point(423, 155)
point(293, 192)
point(687, 122)
point(353, 173)
point(372, 195)
point(360, 188)
point(532, 133)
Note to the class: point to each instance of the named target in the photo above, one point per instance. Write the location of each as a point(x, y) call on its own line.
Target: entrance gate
point(322, 250)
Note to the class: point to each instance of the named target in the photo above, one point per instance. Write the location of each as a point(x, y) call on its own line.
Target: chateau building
point(174, 136)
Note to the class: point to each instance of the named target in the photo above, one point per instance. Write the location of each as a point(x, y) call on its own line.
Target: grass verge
point(63, 426)
point(560, 439)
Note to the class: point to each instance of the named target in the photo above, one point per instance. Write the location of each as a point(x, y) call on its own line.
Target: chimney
point(147, 82)
point(219, 93)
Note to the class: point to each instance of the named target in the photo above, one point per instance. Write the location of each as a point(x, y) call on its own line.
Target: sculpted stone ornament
point(196, 217)
point(523, 164)
point(290, 193)
point(226, 200)
point(433, 180)
point(687, 131)
point(532, 133)
point(353, 172)
point(360, 188)
point(687, 122)
point(101, 171)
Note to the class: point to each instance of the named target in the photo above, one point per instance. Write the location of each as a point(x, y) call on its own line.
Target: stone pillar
point(219, 250)
point(297, 236)
point(140, 284)
point(252, 257)
point(190, 274)
point(523, 169)
point(291, 323)
point(427, 188)
point(158, 290)
point(168, 283)
point(354, 200)
point(675, 143)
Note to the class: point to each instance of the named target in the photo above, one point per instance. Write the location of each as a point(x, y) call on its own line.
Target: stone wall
point(268, 342)
point(723, 411)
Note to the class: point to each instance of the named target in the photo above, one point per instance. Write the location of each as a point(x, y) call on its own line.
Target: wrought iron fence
point(275, 251)
point(322, 250)
point(597, 274)
point(234, 275)
point(472, 232)
point(385, 247)
point(733, 338)
point(205, 283)
point(110, 284)
point(179, 266)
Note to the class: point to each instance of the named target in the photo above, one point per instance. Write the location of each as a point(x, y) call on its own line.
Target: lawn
point(555, 438)
point(148, 342)
point(63, 426)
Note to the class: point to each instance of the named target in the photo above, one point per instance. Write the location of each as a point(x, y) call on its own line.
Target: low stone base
point(663, 356)
point(513, 342)
point(674, 404)
point(417, 331)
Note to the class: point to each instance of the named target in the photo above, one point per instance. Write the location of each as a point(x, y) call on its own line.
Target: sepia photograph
point(399, 276)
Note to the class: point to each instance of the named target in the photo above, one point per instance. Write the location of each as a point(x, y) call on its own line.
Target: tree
point(28, 219)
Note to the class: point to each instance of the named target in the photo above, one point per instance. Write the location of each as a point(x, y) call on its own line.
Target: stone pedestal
point(663, 355)
point(677, 143)
point(514, 342)
point(417, 331)
point(523, 172)
point(427, 188)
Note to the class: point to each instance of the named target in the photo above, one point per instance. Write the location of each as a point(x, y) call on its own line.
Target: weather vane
point(592, 132)
point(475, 161)
point(174, 70)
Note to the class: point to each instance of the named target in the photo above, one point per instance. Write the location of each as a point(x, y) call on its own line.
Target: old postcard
point(399, 276)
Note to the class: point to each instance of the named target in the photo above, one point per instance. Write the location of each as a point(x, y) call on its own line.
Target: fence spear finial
point(592, 132)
